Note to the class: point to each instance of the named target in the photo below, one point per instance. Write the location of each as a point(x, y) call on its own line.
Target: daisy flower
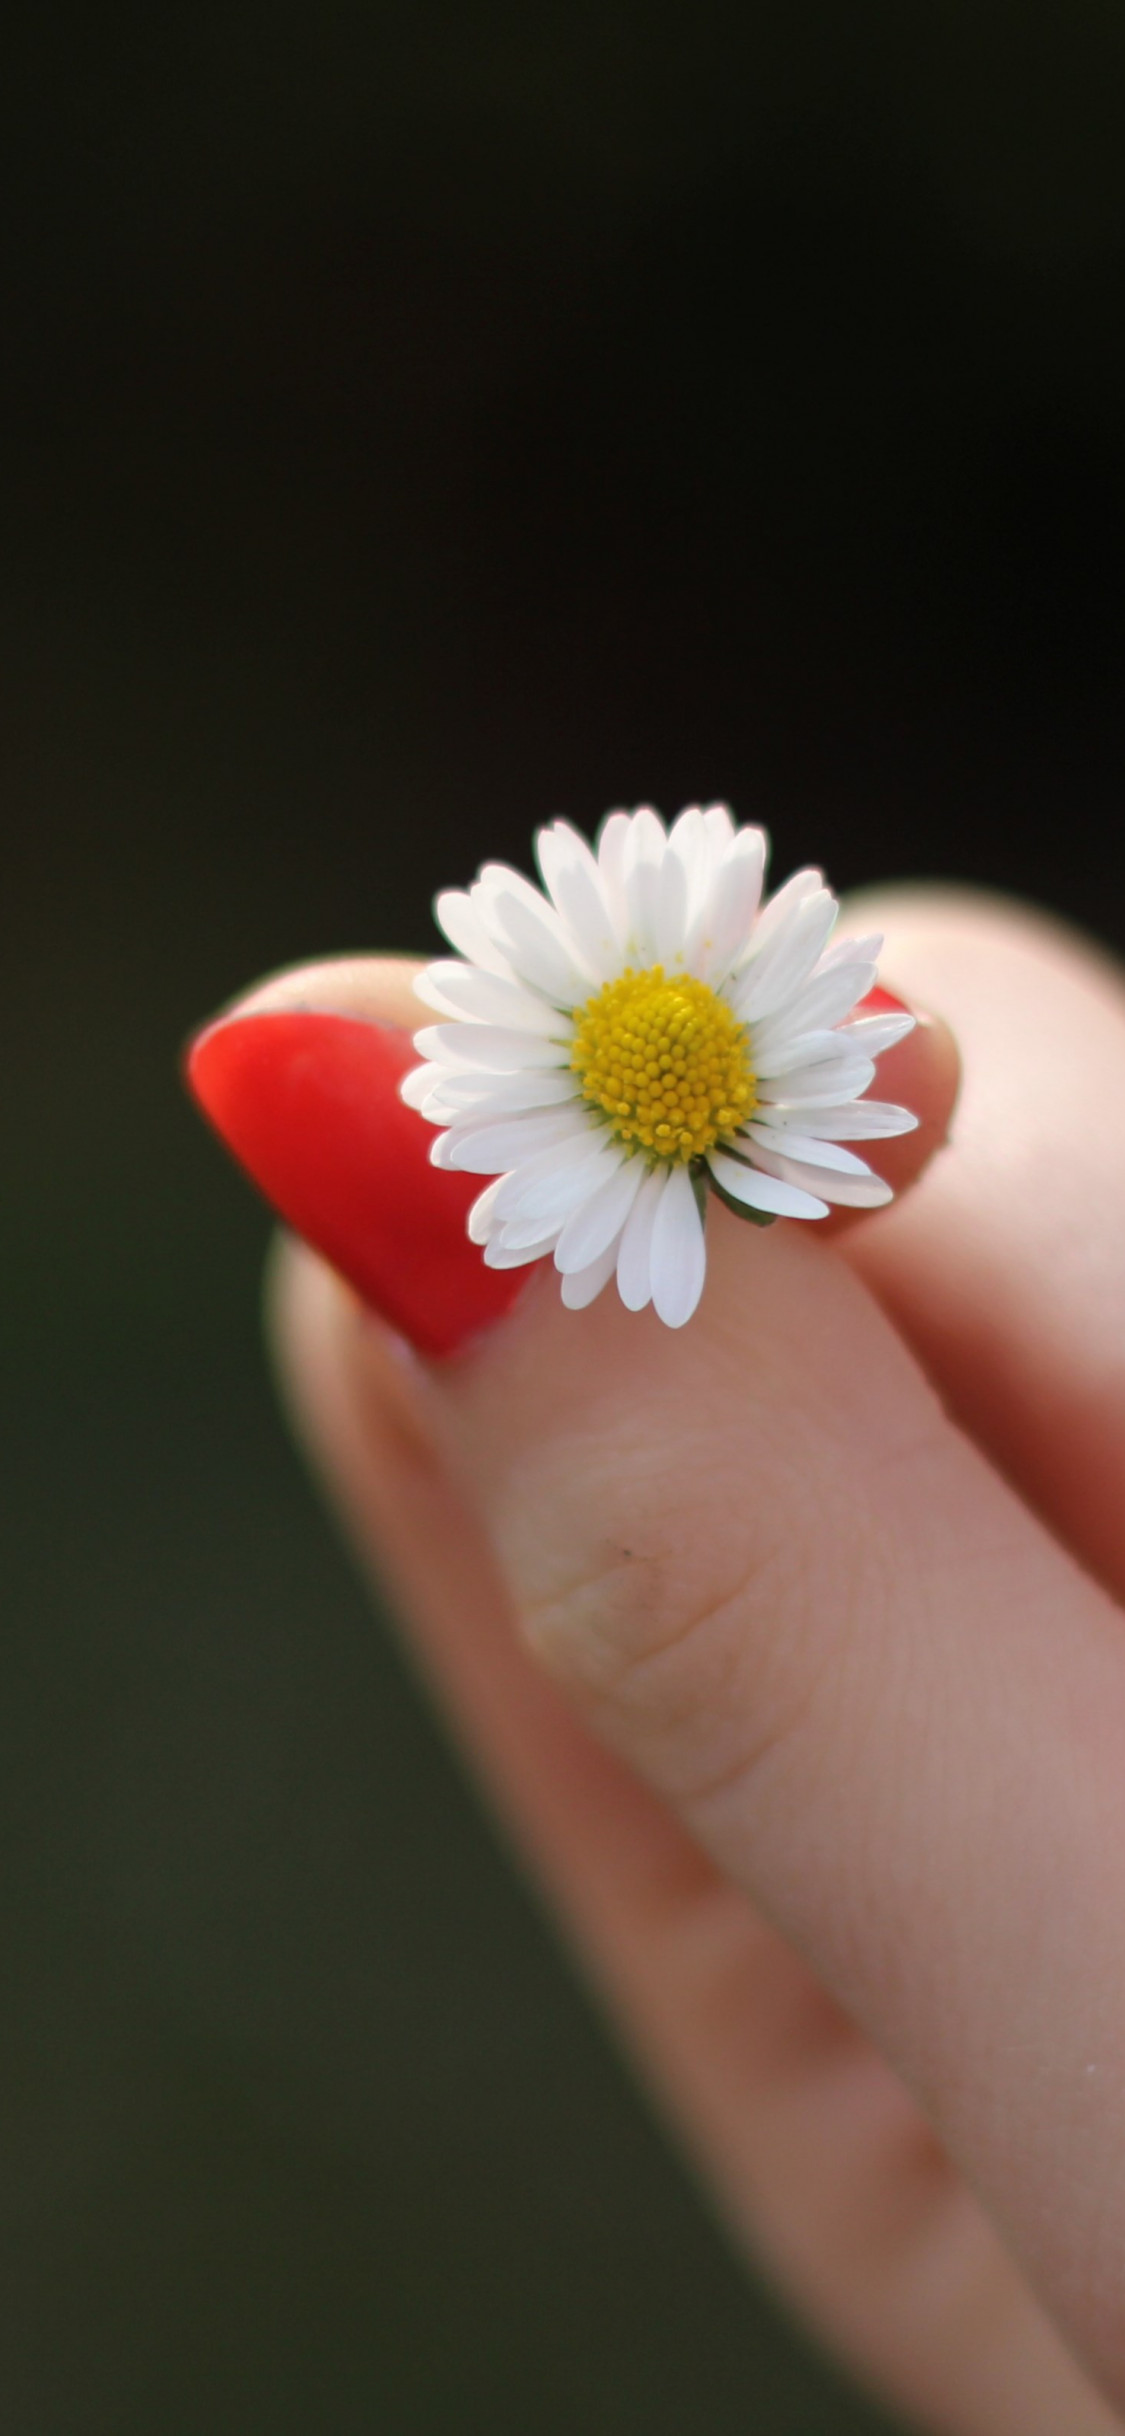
point(641, 1035)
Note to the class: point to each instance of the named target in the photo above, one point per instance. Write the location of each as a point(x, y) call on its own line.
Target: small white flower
point(644, 1033)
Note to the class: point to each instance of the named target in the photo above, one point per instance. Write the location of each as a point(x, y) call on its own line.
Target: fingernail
point(885, 1002)
point(309, 1105)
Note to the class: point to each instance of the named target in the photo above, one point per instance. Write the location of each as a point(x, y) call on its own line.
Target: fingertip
point(308, 1102)
point(922, 1073)
point(368, 988)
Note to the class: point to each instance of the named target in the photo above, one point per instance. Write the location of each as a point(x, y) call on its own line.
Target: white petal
point(865, 1191)
point(670, 909)
point(591, 1229)
point(549, 1201)
point(415, 1087)
point(582, 1286)
point(502, 879)
point(644, 860)
point(876, 1033)
point(783, 1143)
point(542, 953)
point(495, 880)
point(634, 1266)
point(771, 1059)
point(456, 914)
point(482, 1094)
point(528, 1236)
point(778, 910)
point(719, 830)
point(689, 841)
point(551, 1185)
point(490, 1149)
point(825, 1000)
point(863, 1121)
point(463, 990)
point(824, 1084)
point(775, 970)
point(678, 1256)
point(762, 1192)
point(496, 1047)
point(613, 855)
point(698, 837)
point(499, 1254)
point(574, 883)
point(845, 1192)
point(724, 924)
point(479, 1221)
point(854, 951)
point(687, 838)
point(438, 1110)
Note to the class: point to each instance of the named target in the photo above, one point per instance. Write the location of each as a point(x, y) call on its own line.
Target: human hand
point(799, 1684)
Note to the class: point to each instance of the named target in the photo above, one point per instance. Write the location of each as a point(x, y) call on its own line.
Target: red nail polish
point(309, 1106)
point(883, 1002)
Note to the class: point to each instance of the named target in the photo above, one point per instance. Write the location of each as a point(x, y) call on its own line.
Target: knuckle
point(697, 1639)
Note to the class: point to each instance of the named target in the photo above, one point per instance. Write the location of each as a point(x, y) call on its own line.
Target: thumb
point(784, 1587)
point(780, 1583)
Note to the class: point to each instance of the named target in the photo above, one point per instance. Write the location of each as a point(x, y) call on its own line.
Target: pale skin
point(790, 1648)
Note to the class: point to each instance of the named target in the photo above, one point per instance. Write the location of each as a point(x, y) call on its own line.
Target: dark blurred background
point(419, 420)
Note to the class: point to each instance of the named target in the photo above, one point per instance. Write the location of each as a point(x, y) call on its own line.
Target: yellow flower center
point(666, 1061)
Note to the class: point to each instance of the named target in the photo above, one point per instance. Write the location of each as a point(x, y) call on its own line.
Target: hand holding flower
point(801, 1685)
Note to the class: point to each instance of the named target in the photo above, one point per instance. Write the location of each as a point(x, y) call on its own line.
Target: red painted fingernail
point(883, 1002)
point(309, 1106)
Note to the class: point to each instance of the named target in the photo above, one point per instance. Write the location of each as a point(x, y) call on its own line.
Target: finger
point(806, 1623)
point(697, 1713)
point(1008, 1271)
point(302, 1080)
point(813, 2151)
